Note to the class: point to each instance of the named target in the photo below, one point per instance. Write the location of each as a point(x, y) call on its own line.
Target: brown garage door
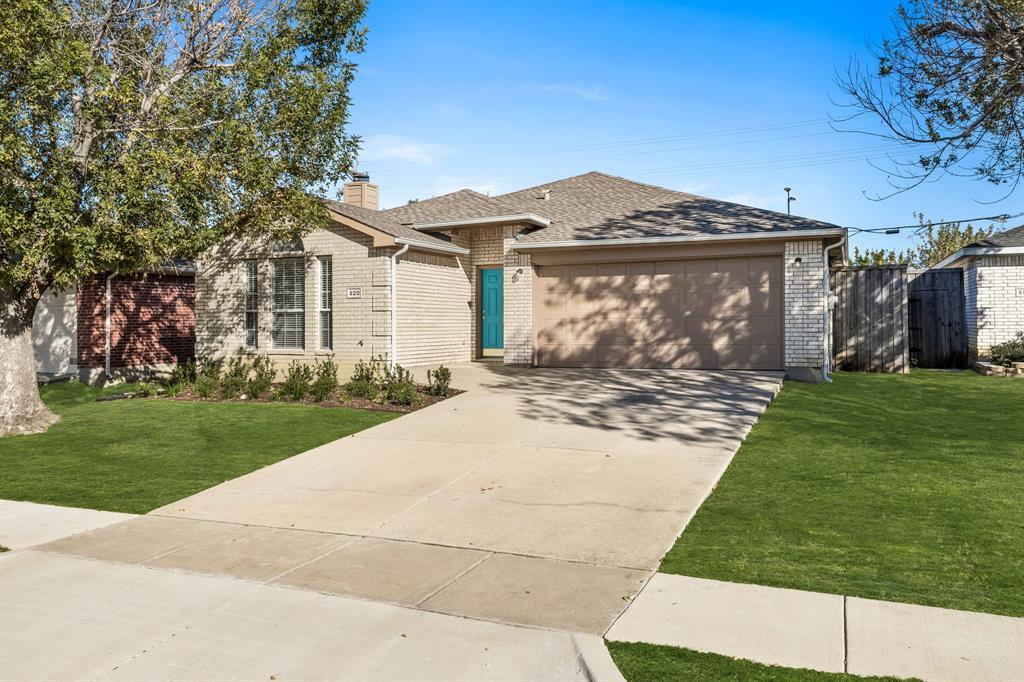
point(710, 313)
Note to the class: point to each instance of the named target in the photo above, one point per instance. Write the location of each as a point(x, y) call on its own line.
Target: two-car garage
point(702, 313)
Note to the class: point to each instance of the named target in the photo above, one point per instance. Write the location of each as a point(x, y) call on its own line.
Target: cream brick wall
point(994, 289)
point(434, 317)
point(518, 307)
point(804, 304)
point(361, 325)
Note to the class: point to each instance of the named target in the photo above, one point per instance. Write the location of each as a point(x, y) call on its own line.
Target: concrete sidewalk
point(69, 618)
point(825, 632)
point(24, 524)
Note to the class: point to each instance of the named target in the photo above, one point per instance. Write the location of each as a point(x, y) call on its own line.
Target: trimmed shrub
point(398, 386)
point(326, 381)
point(233, 383)
point(262, 378)
point(1008, 352)
point(296, 380)
point(403, 393)
point(362, 389)
point(438, 382)
point(207, 378)
point(373, 371)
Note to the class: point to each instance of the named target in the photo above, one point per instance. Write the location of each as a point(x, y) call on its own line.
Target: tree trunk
point(21, 410)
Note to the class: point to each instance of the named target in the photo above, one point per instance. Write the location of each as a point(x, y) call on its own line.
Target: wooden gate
point(869, 320)
point(938, 337)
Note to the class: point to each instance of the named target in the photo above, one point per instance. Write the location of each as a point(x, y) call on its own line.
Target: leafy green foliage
point(236, 376)
point(398, 387)
point(372, 371)
point(296, 380)
point(1008, 352)
point(438, 382)
point(325, 381)
point(182, 376)
point(207, 378)
point(262, 379)
point(120, 149)
point(361, 388)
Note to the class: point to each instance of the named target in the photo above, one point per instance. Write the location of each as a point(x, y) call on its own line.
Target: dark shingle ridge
point(1012, 237)
point(461, 204)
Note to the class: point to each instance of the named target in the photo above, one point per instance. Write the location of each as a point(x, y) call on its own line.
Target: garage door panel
point(708, 313)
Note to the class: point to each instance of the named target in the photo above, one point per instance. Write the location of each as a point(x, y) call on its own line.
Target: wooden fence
point(869, 320)
point(938, 338)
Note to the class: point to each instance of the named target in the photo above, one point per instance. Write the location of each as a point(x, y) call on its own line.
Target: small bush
point(326, 381)
point(438, 382)
point(398, 386)
point(1008, 352)
point(362, 389)
point(296, 380)
point(262, 377)
point(207, 378)
point(182, 375)
point(403, 393)
point(373, 371)
point(233, 383)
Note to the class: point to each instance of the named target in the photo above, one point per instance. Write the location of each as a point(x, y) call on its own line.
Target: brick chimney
point(361, 192)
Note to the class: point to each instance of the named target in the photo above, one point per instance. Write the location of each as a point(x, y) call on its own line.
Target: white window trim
point(320, 309)
point(274, 310)
point(254, 264)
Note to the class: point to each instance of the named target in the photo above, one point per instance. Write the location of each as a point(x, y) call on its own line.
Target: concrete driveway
point(538, 498)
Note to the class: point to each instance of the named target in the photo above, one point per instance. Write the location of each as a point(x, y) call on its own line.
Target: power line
point(895, 229)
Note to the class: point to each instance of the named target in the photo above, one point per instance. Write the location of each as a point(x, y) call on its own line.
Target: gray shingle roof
point(379, 220)
point(1011, 237)
point(600, 206)
point(462, 204)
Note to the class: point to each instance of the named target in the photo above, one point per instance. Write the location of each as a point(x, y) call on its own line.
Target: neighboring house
point(589, 271)
point(993, 289)
point(150, 324)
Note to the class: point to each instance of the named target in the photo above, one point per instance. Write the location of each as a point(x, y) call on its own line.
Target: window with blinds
point(326, 327)
point(252, 301)
point(287, 302)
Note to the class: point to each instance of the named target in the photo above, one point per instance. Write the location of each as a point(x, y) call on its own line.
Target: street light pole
point(789, 200)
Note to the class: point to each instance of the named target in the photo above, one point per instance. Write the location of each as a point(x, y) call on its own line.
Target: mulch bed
point(426, 400)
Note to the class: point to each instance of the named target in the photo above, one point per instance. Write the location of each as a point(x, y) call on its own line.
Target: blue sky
point(727, 100)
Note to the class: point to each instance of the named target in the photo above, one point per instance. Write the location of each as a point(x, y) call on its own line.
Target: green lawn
point(137, 455)
point(899, 487)
point(652, 663)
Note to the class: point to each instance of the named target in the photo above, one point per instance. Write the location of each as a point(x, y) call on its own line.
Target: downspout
point(827, 315)
point(393, 355)
point(106, 326)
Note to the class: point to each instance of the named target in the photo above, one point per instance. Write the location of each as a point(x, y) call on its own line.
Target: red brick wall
point(152, 320)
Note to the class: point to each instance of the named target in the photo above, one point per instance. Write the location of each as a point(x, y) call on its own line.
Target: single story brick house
point(129, 326)
point(993, 289)
point(588, 271)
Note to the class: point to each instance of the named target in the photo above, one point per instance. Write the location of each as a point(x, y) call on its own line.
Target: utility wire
point(1002, 217)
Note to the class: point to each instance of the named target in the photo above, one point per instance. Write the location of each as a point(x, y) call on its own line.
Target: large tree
point(136, 131)
point(949, 82)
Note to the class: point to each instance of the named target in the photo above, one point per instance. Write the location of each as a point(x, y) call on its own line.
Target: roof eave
point(969, 251)
point(531, 218)
point(438, 248)
point(682, 239)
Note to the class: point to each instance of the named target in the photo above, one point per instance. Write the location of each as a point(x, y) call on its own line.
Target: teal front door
point(492, 311)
